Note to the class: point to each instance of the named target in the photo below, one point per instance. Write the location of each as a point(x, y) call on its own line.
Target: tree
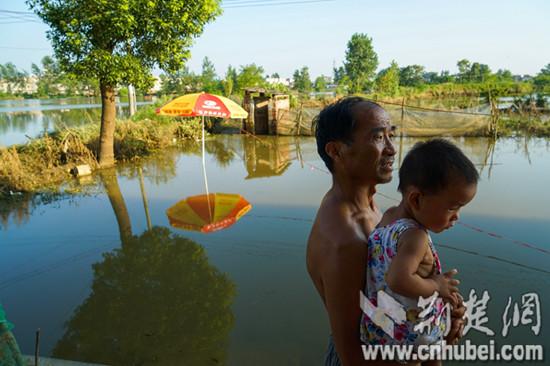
point(320, 83)
point(338, 74)
point(412, 75)
point(479, 72)
point(119, 42)
point(15, 79)
point(180, 82)
point(387, 81)
point(52, 80)
point(230, 81)
point(361, 62)
point(504, 75)
point(463, 70)
point(432, 77)
point(250, 76)
point(209, 79)
point(48, 83)
point(301, 80)
point(542, 80)
point(341, 80)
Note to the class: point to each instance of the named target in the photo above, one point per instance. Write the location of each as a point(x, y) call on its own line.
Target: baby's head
point(436, 179)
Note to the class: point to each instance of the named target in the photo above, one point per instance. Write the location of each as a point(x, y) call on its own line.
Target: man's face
point(370, 155)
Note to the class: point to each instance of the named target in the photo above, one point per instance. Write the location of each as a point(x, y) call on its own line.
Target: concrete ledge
point(46, 361)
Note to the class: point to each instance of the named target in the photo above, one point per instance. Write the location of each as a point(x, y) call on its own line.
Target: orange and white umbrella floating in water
point(208, 212)
point(202, 104)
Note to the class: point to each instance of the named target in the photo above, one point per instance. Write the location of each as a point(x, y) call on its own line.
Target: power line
point(24, 48)
point(16, 17)
point(16, 12)
point(263, 4)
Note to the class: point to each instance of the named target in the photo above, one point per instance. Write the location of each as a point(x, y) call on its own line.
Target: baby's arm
point(402, 276)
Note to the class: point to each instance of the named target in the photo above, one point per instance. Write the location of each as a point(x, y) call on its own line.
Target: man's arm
point(343, 278)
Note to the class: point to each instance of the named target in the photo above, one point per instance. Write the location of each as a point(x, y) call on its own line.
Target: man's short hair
point(431, 166)
point(336, 122)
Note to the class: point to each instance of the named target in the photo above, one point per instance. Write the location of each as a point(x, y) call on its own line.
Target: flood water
point(23, 119)
point(105, 286)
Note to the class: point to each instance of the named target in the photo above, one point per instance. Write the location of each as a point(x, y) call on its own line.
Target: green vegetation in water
point(43, 164)
point(533, 127)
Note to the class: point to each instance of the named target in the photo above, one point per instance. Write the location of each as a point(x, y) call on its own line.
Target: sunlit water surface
point(103, 288)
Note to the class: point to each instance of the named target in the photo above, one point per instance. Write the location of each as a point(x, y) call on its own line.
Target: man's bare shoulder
point(336, 224)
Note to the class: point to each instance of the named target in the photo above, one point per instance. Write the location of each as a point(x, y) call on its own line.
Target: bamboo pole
point(402, 116)
point(144, 198)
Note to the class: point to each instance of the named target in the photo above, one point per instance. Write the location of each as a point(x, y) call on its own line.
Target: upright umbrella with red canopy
point(203, 105)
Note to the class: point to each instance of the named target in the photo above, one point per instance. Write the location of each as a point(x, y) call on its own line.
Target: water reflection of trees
point(18, 208)
point(155, 301)
point(221, 153)
point(16, 121)
point(59, 119)
point(158, 169)
point(47, 120)
point(15, 209)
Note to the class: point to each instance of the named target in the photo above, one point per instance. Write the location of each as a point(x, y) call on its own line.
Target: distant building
point(157, 86)
point(522, 77)
point(284, 81)
point(28, 86)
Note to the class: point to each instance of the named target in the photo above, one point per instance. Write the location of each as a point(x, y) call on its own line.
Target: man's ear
point(414, 198)
point(333, 149)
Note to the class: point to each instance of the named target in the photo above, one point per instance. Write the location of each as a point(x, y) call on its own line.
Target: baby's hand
point(447, 286)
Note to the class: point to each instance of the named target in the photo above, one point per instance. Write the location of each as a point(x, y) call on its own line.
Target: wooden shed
point(268, 112)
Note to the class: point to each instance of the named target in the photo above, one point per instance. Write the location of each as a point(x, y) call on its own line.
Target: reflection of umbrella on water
point(208, 213)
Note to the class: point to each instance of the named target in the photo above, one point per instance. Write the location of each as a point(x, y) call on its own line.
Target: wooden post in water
point(299, 120)
point(401, 130)
point(132, 99)
point(494, 116)
point(37, 347)
point(402, 116)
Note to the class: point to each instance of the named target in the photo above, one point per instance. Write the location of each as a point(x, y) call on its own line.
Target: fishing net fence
point(413, 120)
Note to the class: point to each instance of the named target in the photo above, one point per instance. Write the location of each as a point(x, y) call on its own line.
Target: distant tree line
point(357, 74)
point(45, 80)
point(235, 80)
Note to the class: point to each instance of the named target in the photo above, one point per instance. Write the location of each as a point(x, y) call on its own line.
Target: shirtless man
point(354, 139)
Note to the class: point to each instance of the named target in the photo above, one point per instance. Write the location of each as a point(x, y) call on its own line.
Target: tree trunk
point(110, 181)
point(106, 152)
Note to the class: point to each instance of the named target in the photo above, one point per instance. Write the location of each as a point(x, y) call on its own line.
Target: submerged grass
point(522, 126)
point(44, 164)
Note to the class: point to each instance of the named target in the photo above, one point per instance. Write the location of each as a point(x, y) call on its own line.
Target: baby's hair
point(431, 166)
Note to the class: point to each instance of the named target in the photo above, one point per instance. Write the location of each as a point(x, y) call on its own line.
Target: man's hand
point(457, 316)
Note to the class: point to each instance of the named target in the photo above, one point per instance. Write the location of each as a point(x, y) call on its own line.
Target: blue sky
point(503, 34)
